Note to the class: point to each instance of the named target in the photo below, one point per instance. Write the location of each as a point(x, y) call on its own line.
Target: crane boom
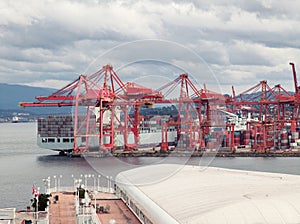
point(295, 78)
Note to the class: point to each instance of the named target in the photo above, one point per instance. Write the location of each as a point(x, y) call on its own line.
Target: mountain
point(12, 95)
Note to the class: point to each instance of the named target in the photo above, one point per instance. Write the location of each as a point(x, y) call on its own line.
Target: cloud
point(48, 82)
point(238, 39)
point(243, 53)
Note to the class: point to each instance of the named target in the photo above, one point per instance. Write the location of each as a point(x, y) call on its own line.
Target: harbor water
point(23, 164)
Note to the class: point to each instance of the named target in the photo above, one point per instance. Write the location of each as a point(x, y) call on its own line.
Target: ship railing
point(95, 217)
point(43, 217)
point(85, 212)
point(104, 189)
point(92, 209)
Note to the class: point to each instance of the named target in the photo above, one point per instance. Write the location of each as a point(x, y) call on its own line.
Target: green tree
point(81, 193)
point(42, 203)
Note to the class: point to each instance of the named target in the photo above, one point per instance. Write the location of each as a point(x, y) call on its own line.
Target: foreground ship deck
point(179, 194)
point(63, 210)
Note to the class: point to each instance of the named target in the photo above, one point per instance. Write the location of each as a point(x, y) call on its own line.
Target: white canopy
point(191, 194)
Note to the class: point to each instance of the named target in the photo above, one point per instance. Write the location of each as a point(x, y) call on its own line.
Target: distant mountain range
point(12, 95)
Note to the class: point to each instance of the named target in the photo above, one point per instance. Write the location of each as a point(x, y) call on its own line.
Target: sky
point(49, 43)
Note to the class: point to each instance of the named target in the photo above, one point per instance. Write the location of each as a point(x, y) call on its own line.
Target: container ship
point(57, 133)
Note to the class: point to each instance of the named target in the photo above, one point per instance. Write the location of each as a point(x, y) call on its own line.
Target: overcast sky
point(50, 42)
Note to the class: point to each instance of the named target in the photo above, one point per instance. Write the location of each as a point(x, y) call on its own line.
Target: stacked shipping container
point(56, 126)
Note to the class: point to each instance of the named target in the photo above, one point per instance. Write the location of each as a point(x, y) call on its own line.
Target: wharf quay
point(193, 154)
point(209, 154)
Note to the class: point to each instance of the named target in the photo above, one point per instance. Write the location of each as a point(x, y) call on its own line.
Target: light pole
point(60, 176)
point(47, 184)
point(94, 187)
point(107, 183)
point(110, 185)
point(55, 183)
point(79, 181)
point(95, 194)
point(85, 180)
point(113, 185)
point(98, 183)
point(76, 181)
point(89, 176)
point(37, 202)
point(72, 176)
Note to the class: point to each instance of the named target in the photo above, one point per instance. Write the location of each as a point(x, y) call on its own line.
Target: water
point(23, 164)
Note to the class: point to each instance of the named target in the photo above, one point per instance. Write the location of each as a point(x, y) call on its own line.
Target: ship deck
point(63, 210)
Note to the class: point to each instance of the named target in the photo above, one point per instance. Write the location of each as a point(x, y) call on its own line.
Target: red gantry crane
point(272, 112)
point(197, 113)
point(104, 107)
point(94, 100)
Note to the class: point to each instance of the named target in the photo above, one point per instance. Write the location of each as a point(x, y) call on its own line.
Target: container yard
point(112, 117)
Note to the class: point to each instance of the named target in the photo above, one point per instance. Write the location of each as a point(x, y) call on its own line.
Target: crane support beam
point(34, 104)
point(54, 97)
